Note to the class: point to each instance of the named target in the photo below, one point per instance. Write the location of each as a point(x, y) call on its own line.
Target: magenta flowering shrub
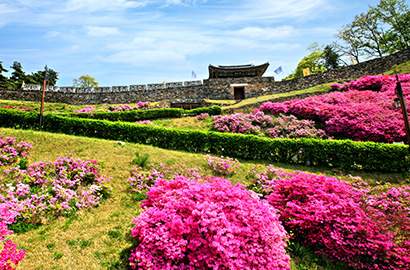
point(342, 222)
point(201, 117)
point(10, 152)
point(146, 122)
point(222, 165)
point(197, 224)
point(258, 123)
point(87, 109)
point(126, 107)
point(140, 181)
point(290, 127)
point(365, 112)
point(9, 255)
point(52, 189)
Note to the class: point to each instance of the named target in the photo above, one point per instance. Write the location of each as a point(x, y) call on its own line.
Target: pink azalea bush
point(52, 189)
point(259, 124)
point(367, 229)
point(126, 107)
point(201, 117)
point(222, 165)
point(9, 255)
point(146, 122)
point(87, 109)
point(10, 152)
point(141, 180)
point(207, 224)
point(365, 112)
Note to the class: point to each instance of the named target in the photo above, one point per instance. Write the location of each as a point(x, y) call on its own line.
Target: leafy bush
point(365, 112)
point(222, 165)
point(189, 224)
point(342, 222)
point(342, 154)
point(10, 152)
point(52, 189)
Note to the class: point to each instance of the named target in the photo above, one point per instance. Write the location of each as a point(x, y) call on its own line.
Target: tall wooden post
point(42, 98)
point(399, 93)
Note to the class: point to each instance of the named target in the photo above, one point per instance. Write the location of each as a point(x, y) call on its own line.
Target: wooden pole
point(399, 92)
point(42, 99)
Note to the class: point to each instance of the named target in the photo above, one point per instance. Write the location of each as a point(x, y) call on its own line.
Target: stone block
point(138, 87)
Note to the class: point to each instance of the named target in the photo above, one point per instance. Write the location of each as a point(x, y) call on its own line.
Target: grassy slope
point(95, 239)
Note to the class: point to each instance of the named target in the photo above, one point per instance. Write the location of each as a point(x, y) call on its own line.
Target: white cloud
point(94, 5)
point(276, 9)
point(4, 9)
point(266, 33)
point(100, 31)
point(52, 34)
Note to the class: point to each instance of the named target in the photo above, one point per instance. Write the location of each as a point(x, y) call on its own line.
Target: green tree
point(17, 76)
point(330, 57)
point(38, 77)
point(313, 61)
point(371, 32)
point(396, 14)
point(352, 42)
point(4, 83)
point(85, 81)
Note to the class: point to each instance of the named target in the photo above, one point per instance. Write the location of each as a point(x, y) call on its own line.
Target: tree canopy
point(85, 81)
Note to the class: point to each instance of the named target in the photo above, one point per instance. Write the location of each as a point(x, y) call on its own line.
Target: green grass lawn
point(96, 239)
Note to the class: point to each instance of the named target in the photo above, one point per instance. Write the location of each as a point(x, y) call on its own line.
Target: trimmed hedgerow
point(341, 154)
point(132, 115)
point(214, 110)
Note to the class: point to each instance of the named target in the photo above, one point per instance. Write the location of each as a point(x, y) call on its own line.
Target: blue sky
point(125, 42)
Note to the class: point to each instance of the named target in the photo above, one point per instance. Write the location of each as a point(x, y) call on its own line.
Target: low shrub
point(342, 222)
point(10, 152)
point(222, 165)
point(208, 224)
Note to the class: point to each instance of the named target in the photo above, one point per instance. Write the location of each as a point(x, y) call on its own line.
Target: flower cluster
point(207, 224)
point(52, 189)
point(11, 107)
point(140, 180)
point(10, 152)
point(87, 109)
point(367, 229)
point(201, 117)
point(126, 107)
point(146, 122)
point(222, 165)
point(358, 114)
point(290, 127)
point(260, 124)
point(9, 255)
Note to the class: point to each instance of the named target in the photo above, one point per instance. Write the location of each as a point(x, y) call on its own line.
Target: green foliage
point(133, 115)
point(313, 62)
point(85, 81)
point(214, 110)
point(330, 57)
point(22, 226)
point(383, 29)
point(141, 160)
point(58, 255)
point(340, 154)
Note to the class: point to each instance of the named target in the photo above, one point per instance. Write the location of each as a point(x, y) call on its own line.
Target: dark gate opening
point(239, 92)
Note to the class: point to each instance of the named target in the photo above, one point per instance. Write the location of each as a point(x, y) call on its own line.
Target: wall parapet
point(197, 91)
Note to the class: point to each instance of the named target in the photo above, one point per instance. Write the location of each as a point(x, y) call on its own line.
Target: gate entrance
point(239, 92)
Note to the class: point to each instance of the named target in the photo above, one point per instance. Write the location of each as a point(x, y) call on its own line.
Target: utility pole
point(42, 97)
point(399, 93)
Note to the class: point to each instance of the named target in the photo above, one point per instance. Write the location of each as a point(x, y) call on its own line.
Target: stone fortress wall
point(197, 91)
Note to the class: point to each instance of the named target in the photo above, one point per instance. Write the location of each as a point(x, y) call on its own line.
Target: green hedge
point(341, 154)
point(138, 115)
point(132, 115)
point(214, 110)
